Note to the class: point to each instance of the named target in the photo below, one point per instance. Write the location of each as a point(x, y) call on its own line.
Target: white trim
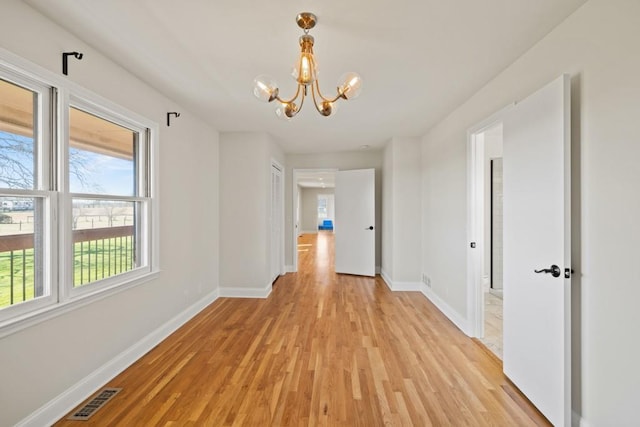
point(446, 309)
point(289, 269)
point(475, 227)
point(281, 246)
point(399, 286)
point(56, 408)
point(227, 292)
point(486, 282)
point(309, 232)
point(378, 269)
point(386, 279)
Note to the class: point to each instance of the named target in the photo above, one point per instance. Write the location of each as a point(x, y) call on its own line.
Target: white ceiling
point(419, 59)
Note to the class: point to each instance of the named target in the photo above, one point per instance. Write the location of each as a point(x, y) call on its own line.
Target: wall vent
point(98, 401)
point(426, 280)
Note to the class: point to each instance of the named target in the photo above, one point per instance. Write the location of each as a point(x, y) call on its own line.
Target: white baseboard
point(309, 232)
point(399, 286)
point(59, 406)
point(386, 279)
point(378, 269)
point(228, 292)
point(454, 316)
point(289, 269)
point(457, 319)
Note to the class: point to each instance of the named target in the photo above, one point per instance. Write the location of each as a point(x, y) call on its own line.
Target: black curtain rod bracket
point(65, 60)
point(173, 113)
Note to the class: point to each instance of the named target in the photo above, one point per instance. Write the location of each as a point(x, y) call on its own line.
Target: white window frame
point(142, 178)
point(41, 190)
point(53, 140)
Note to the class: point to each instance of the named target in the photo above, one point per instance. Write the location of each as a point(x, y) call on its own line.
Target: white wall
point(42, 361)
point(345, 160)
point(401, 246)
point(309, 208)
point(598, 46)
point(245, 203)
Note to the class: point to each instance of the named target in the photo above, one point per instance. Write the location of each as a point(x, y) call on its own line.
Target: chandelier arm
point(315, 101)
point(318, 89)
point(304, 93)
point(338, 96)
point(315, 81)
point(284, 101)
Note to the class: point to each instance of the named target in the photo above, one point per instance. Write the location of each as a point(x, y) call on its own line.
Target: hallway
point(322, 349)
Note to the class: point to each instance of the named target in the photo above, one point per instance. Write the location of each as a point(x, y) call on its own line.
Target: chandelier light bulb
point(350, 86)
point(265, 88)
point(303, 72)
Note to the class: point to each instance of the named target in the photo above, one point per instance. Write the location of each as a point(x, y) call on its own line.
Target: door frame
point(294, 198)
point(475, 220)
point(280, 219)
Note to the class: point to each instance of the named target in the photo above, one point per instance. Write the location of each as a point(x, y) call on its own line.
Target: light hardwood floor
point(323, 349)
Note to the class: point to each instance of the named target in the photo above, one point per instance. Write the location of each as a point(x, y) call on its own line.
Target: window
point(76, 204)
point(325, 211)
point(322, 207)
point(25, 199)
point(108, 187)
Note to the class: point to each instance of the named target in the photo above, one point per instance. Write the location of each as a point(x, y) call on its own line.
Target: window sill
point(32, 318)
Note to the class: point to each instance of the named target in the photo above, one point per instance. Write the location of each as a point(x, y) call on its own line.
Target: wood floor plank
point(324, 349)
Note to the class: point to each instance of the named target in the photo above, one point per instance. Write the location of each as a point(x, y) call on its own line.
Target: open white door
point(355, 235)
point(537, 226)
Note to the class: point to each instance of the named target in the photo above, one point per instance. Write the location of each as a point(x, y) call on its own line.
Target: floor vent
point(97, 402)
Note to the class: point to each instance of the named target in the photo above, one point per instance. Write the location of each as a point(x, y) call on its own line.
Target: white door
point(355, 234)
point(537, 310)
point(277, 247)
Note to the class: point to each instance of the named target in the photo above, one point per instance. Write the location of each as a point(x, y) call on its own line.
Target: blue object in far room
point(327, 224)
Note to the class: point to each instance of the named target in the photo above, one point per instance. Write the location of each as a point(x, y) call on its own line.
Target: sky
point(104, 175)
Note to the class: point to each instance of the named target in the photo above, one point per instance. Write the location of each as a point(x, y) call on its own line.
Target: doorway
point(354, 203)
point(488, 218)
point(493, 231)
point(313, 196)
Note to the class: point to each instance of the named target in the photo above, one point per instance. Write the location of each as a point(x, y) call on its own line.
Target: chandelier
point(305, 72)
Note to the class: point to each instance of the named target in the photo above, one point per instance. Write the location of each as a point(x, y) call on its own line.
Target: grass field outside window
point(93, 260)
